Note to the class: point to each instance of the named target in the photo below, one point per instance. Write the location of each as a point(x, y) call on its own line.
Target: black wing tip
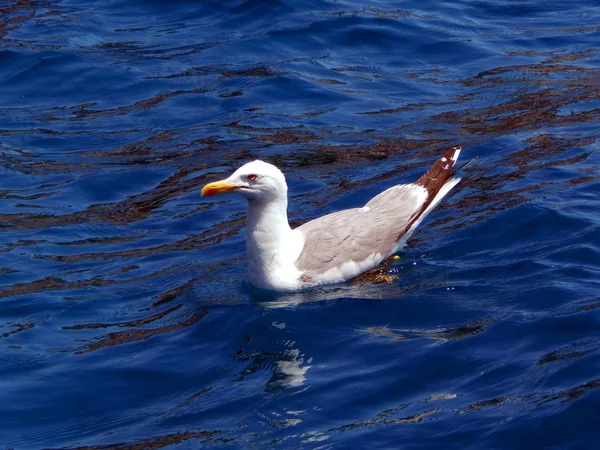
point(452, 154)
point(463, 166)
point(435, 179)
point(448, 160)
point(441, 170)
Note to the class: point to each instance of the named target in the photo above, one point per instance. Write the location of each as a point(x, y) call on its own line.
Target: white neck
point(268, 228)
point(268, 241)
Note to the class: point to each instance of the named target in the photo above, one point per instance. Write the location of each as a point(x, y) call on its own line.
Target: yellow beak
point(218, 187)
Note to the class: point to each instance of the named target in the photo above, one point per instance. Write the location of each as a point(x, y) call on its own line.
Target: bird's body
point(332, 248)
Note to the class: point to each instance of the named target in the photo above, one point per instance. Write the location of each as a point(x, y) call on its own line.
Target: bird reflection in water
point(289, 366)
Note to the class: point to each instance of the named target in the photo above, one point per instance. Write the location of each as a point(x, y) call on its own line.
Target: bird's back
point(359, 234)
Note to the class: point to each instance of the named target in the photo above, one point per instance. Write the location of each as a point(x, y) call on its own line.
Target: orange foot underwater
point(380, 274)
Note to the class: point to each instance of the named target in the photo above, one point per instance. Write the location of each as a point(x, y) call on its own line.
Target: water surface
point(125, 316)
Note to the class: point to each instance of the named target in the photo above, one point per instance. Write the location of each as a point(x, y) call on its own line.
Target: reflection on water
point(289, 372)
point(125, 310)
point(289, 369)
point(443, 334)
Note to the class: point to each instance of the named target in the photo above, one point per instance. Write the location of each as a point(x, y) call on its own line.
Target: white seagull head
point(257, 181)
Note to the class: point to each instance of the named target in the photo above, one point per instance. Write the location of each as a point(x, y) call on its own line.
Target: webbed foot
point(381, 273)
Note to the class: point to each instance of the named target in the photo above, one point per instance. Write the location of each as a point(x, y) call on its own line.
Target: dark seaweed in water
point(125, 317)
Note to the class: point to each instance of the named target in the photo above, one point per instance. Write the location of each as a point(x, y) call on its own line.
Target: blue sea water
point(126, 320)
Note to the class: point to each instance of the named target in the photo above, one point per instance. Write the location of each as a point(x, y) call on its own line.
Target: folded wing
point(360, 233)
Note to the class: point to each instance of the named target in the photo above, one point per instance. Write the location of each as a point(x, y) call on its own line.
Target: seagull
point(336, 247)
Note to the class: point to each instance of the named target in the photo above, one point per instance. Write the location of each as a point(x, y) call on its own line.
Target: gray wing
point(355, 234)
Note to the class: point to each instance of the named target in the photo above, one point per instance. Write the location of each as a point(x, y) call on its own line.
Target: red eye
point(252, 177)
